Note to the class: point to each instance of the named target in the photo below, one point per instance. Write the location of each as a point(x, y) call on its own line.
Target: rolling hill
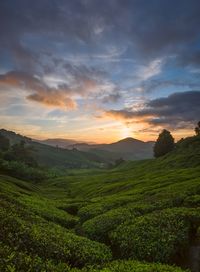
point(141, 216)
point(128, 149)
point(57, 142)
point(53, 152)
point(50, 156)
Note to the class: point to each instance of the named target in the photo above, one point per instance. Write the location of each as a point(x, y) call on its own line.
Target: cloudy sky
point(99, 70)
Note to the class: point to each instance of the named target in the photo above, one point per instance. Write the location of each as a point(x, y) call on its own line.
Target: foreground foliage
point(141, 211)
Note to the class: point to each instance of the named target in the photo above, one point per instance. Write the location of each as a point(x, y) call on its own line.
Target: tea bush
point(155, 237)
point(98, 228)
point(50, 241)
point(134, 266)
point(48, 210)
point(15, 261)
point(146, 210)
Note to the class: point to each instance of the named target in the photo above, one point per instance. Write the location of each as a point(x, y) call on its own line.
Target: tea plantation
point(142, 216)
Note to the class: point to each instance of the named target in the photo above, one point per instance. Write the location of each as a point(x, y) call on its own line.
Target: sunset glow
point(99, 71)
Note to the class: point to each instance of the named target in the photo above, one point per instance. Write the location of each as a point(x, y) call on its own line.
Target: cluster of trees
point(4, 143)
point(18, 160)
point(197, 129)
point(17, 152)
point(165, 142)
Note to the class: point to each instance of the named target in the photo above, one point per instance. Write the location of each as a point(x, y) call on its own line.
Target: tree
point(164, 144)
point(4, 143)
point(197, 129)
point(21, 153)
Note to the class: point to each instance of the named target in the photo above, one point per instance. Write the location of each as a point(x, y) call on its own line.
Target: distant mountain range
point(57, 142)
point(71, 154)
point(128, 148)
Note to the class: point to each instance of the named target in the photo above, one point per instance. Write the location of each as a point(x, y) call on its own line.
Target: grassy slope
point(127, 202)
point(50, 156)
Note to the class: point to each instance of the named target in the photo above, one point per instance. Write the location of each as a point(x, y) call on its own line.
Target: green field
point(140, 216)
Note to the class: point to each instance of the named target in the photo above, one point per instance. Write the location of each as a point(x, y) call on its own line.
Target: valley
point(129, 218)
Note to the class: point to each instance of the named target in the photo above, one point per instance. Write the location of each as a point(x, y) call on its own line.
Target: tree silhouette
point(4, 143)
point(197, 129)
point(164, 144)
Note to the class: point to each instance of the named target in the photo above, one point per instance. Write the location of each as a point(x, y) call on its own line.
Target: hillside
point(82, 155)
point(128, 149)
point(115, 220)
point(57, 142)
point(49, 156)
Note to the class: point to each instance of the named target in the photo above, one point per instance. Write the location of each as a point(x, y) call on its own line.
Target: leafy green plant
point(145, 210)
point(155, 237)
point(134, 266)
point(98, 228)
point(49, 241)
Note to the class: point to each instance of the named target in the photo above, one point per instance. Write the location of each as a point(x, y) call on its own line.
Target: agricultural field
point(139, 216)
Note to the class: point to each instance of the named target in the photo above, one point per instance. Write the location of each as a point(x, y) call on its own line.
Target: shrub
point(14, 261)
point(21, 170)
point(11, 260)
point(133, 266)
point(155, 237)
point(50, 241)
point(103, 205)
point(98, 228)
point(192, 201)
point(90, 211)
point(48, 210)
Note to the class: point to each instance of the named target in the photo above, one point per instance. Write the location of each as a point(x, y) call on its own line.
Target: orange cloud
point(127, 116)
point(57, 99)
point(62, 96)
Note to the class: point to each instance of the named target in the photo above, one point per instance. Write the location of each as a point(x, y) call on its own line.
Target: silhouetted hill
point(128, 148)
point(51, 156)
point(57, 142)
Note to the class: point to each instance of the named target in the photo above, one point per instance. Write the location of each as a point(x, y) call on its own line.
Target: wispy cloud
point(152, 69)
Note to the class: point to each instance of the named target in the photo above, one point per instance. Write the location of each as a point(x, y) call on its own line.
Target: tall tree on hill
point(197, 129)
point(164, 144)
point(4, 143)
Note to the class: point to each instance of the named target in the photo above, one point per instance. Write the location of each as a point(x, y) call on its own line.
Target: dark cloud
point(191, 58)
point(177, 110)
point(167, 25)
point(112, 98)
point(151, 27)
point(153, 85)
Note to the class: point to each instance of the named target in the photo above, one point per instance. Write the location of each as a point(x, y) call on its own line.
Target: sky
point(99, 70)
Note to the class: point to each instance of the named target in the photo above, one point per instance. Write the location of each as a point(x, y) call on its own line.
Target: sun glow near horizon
point(126, 132)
